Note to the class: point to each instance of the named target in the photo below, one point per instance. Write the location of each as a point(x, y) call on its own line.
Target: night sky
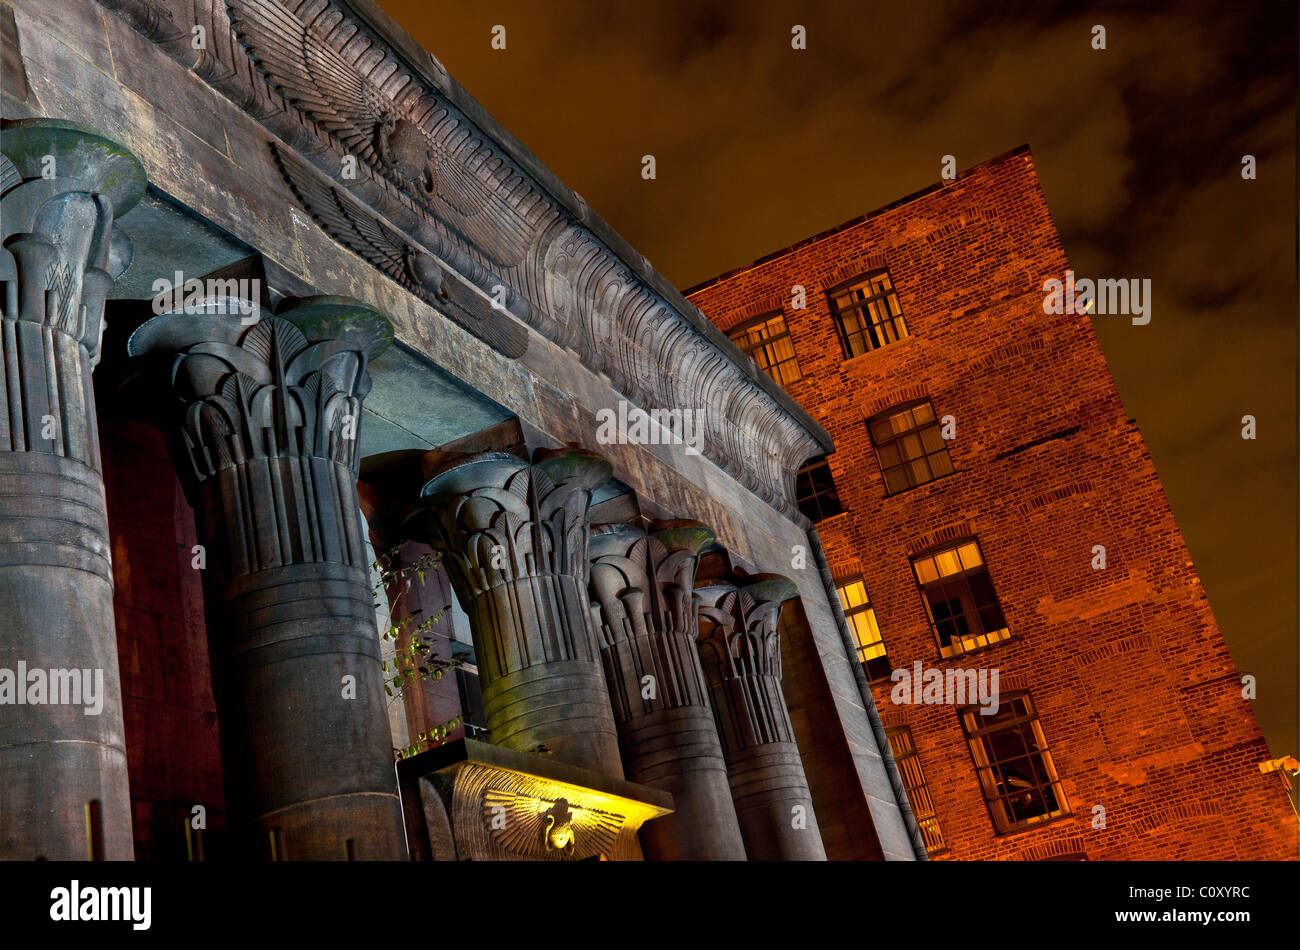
point(1138, 147)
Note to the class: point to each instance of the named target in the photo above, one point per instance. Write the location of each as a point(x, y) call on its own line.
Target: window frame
point(766, 343)
point(997, 803)
point(817, 462)
point(866, 319)
point(926, 813)
point(904, 464)
point(866, 607)
point(974, 609)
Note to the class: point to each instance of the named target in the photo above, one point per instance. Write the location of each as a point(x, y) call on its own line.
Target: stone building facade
point(289, 322)
point(990, 506)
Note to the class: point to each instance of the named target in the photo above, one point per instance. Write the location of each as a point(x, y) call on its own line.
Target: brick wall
point(1134, 687)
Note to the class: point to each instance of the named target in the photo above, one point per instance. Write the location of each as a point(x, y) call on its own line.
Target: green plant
point(415, 657)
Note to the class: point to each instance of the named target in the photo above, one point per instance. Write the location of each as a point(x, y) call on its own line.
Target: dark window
point(959, 597)
point(909, 447)
point(868, 314)
point(814, 490)
point(862, 621)
point(1014, 764)
point(767, 341)
point(918, 793)
point(470, 691)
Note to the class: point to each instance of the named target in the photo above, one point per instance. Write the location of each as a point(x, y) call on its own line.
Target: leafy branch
point(415, 657)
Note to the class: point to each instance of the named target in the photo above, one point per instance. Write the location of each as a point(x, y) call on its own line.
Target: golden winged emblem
point(545, 828)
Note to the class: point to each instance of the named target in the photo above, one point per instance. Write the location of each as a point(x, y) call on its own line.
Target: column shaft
point(64, 794)
point(266, 436)
point(641, 591)
point(741, 654)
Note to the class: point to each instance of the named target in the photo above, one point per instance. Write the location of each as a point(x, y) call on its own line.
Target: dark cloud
point(1138, 148)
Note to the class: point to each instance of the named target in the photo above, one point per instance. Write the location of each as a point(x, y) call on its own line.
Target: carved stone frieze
point(324, 79)
point(355, 227)
point(474, 802)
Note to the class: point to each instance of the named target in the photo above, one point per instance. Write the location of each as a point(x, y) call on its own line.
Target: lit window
point(909, 446)
point(918, 793)
point(866, 632)
point(814, 490)
point(868, 314)
point(1015, 767)
point(767, 341)
point(959, 597)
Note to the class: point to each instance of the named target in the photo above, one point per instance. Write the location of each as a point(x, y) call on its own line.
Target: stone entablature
point(461, 219)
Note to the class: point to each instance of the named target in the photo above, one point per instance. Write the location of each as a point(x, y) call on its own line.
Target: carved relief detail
point(485, 218)
point(645, 608)
point(271, 409)
point(740, 650)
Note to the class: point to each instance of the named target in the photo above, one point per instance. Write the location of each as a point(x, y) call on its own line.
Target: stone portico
point(400, 312)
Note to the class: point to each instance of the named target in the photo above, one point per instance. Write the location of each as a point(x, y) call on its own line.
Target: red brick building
point(990, 506)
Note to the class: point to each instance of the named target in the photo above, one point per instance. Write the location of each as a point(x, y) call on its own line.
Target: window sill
point(1013, 832)
point(984, 649)
point(930, 484)
point(852, 361)
point(822, 521)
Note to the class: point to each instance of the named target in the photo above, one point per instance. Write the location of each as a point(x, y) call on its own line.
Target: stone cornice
point(332, 78)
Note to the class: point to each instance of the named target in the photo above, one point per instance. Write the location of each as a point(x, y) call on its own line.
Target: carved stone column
point(514, 537)
point(740, 650)
point(63, 792)
point(644, 604)
point(265, 434)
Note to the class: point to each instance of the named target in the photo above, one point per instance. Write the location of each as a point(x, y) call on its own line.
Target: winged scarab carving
point(320, 61)
point(538, 827)
point(354, 226)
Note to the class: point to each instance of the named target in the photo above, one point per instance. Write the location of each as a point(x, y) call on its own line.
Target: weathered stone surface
point(603, 328)
point(514, 539)
point(645, 607)
point(741, 654)
point(61, 185)
point(266, 416)
point(478, 221)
